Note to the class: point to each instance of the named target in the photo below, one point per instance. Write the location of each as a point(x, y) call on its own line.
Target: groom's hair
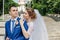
point(11, 6)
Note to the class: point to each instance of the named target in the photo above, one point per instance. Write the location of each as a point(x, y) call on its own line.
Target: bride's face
point(26, 15)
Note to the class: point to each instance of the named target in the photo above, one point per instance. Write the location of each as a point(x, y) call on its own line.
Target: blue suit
point(17, 34)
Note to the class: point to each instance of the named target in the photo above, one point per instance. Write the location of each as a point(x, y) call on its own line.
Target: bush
point(1, 7)
point(47, 6)
point(41, 8)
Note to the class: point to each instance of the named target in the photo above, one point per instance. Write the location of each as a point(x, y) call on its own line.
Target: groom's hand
point(7, 38)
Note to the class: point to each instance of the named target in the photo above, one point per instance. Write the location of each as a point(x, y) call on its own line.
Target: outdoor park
point(49, 9)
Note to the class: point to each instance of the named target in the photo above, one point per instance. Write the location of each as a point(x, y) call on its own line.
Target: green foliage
point(47, 6)
point(1, 6)
point(40, 7)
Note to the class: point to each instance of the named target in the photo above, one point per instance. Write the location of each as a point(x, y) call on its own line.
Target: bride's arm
point(25, 33)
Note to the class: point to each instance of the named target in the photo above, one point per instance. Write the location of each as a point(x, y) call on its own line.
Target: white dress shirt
point(11, 23)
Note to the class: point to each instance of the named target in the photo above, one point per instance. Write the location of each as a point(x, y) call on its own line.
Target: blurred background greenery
point(1, 6)
point(47, 6)
point(44, 6)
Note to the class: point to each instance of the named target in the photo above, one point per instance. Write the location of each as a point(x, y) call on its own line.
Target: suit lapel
point(10, 25)
point(25, 25)
point(16, 25)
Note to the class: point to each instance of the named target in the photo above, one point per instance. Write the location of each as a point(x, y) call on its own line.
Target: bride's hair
point(31, 13)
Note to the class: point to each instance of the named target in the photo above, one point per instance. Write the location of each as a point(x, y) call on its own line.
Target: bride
point(37, 29)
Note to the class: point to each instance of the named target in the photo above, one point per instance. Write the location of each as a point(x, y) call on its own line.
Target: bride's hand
point(21, 22)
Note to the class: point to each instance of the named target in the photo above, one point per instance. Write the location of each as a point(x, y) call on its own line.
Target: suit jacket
point(17, 34)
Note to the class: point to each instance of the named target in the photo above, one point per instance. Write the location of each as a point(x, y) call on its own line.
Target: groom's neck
point(13, 17)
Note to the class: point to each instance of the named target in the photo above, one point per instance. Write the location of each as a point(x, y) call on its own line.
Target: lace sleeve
point(30, 30)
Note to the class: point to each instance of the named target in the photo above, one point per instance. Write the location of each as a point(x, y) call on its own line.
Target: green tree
point(47, 6)
point(1, 6)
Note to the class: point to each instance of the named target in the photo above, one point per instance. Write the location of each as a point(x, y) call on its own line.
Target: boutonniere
point(16, 22)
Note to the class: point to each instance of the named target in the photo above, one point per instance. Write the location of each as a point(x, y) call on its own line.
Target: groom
point(13, 29)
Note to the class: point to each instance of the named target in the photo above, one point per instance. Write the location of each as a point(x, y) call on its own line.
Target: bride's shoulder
point(31, 23)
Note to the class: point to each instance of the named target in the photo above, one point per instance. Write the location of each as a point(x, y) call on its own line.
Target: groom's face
point(14, 11)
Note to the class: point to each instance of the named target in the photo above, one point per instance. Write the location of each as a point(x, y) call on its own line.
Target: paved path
point(53, 28)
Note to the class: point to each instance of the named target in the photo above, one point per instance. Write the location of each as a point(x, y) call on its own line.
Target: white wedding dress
point(40, 31)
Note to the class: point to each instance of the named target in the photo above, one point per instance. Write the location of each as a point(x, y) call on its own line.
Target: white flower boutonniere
point(16, 22)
